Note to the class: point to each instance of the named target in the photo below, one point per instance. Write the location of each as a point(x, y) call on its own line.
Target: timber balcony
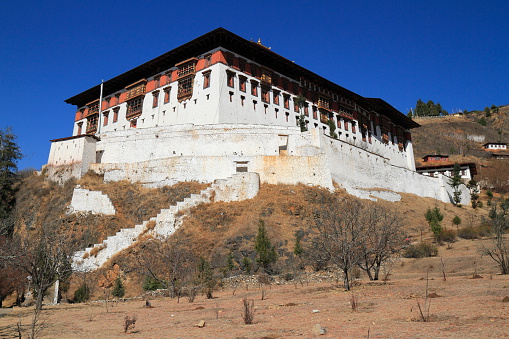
point(324, 104)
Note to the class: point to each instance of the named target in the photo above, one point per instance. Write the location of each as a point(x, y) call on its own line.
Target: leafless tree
point(499, 251)
point(339, 234)
point(360, 233)
point(382, 236)
point(168, 262)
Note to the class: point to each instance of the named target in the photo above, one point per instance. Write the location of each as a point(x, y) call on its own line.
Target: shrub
point(446, 236)
point(249, 311)
point(118, 289)
point(82, 294)
point(420, 250)
point(151, 284)
point(476, 232)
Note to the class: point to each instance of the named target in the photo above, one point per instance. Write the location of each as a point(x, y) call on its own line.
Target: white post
point(99, 121)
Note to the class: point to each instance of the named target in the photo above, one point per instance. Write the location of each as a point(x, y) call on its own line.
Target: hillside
point(459, 137)
point(286, 309)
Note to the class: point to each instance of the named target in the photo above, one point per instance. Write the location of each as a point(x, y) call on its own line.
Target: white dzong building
point(221, 104)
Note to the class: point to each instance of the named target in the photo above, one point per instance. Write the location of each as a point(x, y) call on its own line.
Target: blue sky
point(452, 52)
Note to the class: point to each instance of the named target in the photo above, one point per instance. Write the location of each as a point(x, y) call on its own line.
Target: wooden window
point(167, 94)
point(315, 113)
point(206, 79)
point(265, 95)
point(306, 109)
point(168, 77)
point(286, 99)
point(185, 89)
point(92, 123)
point(134, 108)
point(295, 106)
point(105, 118)
point(254, 88)
point(242, 83)
point(80, 127)
point(346, 125)
point(155, 99)
point(157, 81)
point(275, 97)
point(208, 60)
point(115, 114)
point(230, 78)
point(354, 130)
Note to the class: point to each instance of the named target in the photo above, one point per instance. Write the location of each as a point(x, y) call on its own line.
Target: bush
point(446, 236)
point(474, 232)
point(118, 289)
point(82, 294)
point(151, 284)
point(420, 250)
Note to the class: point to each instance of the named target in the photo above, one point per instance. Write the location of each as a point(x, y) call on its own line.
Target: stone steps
point(166, 221)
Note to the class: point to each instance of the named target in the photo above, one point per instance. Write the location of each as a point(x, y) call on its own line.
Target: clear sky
point(452, 52)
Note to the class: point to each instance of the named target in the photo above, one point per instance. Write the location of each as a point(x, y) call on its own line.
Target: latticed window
point(185, 88)
point(134, 108)
point(92, 123)
point(187, 69)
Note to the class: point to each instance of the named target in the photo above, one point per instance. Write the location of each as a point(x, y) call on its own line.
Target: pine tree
point(434, 218)
point(455, 182)
point(266, 252)
point(9, 155)
point(118, 288)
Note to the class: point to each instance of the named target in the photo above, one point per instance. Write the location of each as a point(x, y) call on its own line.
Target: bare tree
point(169, 262)
point(355, 232)
point(339, 234)
point(382, 236)
point(499, 251)
point(44, 255)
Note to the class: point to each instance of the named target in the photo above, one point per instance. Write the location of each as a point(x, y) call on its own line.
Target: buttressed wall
point(166, 155)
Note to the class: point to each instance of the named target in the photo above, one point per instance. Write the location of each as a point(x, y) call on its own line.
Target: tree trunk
point(38, 302)
point(346, 280)
point(377, 271)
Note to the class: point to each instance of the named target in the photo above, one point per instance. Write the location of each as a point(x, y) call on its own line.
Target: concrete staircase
point(240, 186)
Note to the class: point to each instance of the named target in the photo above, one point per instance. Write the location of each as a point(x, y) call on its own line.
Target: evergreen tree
point(456, 221)
point(300, 101)
point(482, 121)
point(118, 288)
point(455, 182)
point(9, 155)
point(266, 252)
point(421, 109)
point(434, 218)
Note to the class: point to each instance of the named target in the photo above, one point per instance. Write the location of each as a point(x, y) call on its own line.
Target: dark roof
point(495, 143)
point(473, 167)
point(221, 37)
point(381, 106)
point(435, 155)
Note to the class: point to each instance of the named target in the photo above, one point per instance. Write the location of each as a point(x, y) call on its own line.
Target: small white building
point(495, 146)
point(467, 170)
